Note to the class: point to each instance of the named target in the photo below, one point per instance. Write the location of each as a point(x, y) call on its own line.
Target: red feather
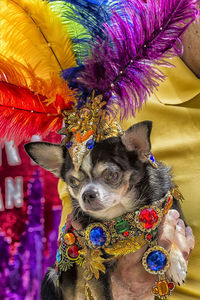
point(23, 113)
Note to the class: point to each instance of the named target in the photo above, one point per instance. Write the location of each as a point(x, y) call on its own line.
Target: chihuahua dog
point(115, 177)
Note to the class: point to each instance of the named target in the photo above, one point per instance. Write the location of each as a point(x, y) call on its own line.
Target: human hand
point(131, 281)
point(178, 240)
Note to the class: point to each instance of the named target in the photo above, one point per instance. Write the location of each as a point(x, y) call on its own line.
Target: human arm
point(130, 280)
point(191, 50)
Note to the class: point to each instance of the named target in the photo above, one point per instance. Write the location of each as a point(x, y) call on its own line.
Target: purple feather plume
point(123, 67)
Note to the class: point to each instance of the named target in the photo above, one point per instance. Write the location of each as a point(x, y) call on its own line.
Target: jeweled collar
point(104, 241)
point(145, 220)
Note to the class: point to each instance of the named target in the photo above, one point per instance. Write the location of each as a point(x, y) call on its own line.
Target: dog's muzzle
point(91, 199)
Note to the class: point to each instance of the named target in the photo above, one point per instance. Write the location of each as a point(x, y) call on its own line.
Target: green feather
point(76, 31)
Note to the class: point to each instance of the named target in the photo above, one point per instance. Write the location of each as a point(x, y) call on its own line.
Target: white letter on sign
point(12, 154)
point(1, 201)
point(14, 192)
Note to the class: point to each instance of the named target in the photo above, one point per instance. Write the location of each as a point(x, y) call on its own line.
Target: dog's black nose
point(90, 195)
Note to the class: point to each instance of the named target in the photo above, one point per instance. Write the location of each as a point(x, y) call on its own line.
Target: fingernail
point(180, 223)
point(188, 230)
point(174, 213)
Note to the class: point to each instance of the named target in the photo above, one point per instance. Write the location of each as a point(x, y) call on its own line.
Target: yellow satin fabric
point(175, 112)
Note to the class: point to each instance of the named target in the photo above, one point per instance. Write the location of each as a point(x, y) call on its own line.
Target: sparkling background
point(28, 233)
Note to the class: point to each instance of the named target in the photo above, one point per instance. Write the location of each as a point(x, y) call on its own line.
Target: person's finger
point(167, 229)
point(180, 227)
point(180, 239)
point(190, 238)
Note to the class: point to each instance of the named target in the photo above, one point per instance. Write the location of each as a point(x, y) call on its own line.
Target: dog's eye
point(73, 182)
point(110, 176)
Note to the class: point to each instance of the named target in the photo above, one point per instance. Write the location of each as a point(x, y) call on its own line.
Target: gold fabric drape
point(175, 111)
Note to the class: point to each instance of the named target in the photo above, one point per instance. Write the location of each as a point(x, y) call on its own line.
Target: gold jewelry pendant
point(97, 235)
point(163, 288)
point(156, 260)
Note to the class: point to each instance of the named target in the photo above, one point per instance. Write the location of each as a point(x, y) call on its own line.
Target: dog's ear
point(48, 156)
point(137, 138)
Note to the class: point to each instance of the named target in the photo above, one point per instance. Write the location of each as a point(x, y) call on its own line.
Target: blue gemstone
point(90, 144)
point(97, 236)
point(63, 229)
point(58, 256)
point(69, 145)
point(156, 260)
point(152, 158)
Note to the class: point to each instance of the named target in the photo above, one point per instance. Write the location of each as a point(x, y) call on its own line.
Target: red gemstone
point(126, 233)
point(171, 285)
point(73, 252)
point(148, 237)
point(148, 217)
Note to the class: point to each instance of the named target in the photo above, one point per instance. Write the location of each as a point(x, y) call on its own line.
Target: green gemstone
point(122, 226)
point(118, 219)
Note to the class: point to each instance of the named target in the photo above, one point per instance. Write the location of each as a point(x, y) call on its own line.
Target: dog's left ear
point(137, 138)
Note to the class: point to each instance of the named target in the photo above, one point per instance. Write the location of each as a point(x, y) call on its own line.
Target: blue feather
point(70, 75)
point(91, 14)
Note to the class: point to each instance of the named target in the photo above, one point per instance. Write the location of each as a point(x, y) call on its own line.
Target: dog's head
point(114, 178)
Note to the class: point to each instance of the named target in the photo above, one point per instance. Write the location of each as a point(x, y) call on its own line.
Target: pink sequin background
point(28, 233)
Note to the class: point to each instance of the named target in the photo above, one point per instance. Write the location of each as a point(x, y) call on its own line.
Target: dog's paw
point(178, 265)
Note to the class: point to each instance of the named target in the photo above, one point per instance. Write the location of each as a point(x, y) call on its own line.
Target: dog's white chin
point(107, 212)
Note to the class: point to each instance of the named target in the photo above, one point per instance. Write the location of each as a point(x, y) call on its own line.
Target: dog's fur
point(114, 178)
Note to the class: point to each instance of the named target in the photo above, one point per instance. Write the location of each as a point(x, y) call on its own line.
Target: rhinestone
point(69, 238)
point(148, 218)
point(126, 233)
point(156, 260)
point(73, 252)
point(90, 144)
point(148, 237)
point(152, 158)
point(155, 290)
point(163, 288)
point(168, 204)
point(58, 256)
point(69, 145)
point(122, 226)
point(119, 219)
point(171, 285)
point(63, 229)
point(97, 236)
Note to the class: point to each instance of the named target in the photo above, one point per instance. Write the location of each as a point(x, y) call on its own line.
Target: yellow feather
point(34, 36)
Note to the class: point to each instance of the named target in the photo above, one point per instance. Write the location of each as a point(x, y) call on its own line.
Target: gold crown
point(87, 125)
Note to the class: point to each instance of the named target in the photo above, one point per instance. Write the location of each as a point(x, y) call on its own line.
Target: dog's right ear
point(49, 156)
